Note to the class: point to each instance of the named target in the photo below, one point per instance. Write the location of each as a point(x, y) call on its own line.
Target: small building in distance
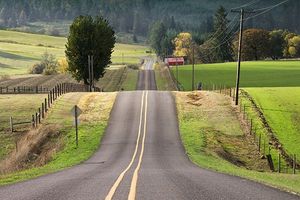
point(174, 61)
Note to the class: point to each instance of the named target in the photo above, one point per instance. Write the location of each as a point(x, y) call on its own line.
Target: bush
point(50, 70)
point(63, 66)
point(37, 68)
point(48, 65)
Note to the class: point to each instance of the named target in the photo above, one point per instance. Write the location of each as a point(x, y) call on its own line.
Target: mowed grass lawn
point(281, 107)
point(253, 74)
point(19, 51)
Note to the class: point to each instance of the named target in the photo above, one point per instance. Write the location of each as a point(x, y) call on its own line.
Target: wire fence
point(53, 94)
point(268, 146)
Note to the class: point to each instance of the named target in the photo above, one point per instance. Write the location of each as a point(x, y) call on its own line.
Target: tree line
point(221, 44)
point(137, 16)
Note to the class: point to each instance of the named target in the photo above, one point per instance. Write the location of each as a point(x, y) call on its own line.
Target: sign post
point(76, 112)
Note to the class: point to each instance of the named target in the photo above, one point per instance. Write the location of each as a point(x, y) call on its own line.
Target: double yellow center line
point(132, 192)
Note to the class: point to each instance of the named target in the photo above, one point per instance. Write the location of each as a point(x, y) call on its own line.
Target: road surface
point(146, 76)
point(141, 157)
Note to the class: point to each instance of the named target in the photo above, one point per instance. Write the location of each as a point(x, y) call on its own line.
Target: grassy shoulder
point(253, 74)
point(163, 78)
point(96, 109)
point(130, 79)
point(207, 128)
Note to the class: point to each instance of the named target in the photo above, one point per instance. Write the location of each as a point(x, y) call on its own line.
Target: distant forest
point(136, 16)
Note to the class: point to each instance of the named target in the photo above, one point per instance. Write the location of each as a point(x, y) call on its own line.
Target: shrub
point(50, 70)
point(48, 65)
point(63, 66)
point(37, 68)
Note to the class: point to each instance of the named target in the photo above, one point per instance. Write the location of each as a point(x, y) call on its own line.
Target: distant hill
point(135, 16)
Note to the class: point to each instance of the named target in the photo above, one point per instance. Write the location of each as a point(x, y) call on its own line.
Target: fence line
point(53, 94)
point(264, 147)
point(37, 89)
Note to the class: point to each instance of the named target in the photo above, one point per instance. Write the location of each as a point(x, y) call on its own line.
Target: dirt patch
point(34, 149)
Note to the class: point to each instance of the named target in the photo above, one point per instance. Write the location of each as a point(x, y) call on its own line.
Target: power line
point(270, 7)
point(267, 10)
point(217, 34)
point(247, 4)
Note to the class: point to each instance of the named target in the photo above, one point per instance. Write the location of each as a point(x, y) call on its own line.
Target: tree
point(277, 44)
point(50, 64)
point(156, 36)
point(222, 36)
point(256, 44)
point(167, 44)
point(294, 46)
point(89, 36)
point(183, 45)
point(287, 37)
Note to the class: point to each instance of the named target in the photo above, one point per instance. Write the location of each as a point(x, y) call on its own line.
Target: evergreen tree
point(224, 50)
point(157, 35)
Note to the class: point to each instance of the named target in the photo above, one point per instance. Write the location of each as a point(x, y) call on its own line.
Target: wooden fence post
point(11, 124)
point(39, 113)
point(36, 119)
point(53, 95)
point(33, 121)
point(50, 98)
point(46, 105)
point(43, 111)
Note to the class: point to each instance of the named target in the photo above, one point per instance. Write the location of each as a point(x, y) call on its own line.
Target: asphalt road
point(146, 76)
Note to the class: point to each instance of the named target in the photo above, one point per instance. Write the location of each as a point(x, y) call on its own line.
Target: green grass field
point(253, 74)
point(19, 51)
point(209, 125)
point(281, 108)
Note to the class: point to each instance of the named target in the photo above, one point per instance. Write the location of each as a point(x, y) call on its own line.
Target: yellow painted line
point(146, 80)
point(121, 176)
point(132, 192)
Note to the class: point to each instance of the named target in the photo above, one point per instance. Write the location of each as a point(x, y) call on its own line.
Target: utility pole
point(193, 73)
point(177, 72)
point(238, 74)
point(91, 72)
